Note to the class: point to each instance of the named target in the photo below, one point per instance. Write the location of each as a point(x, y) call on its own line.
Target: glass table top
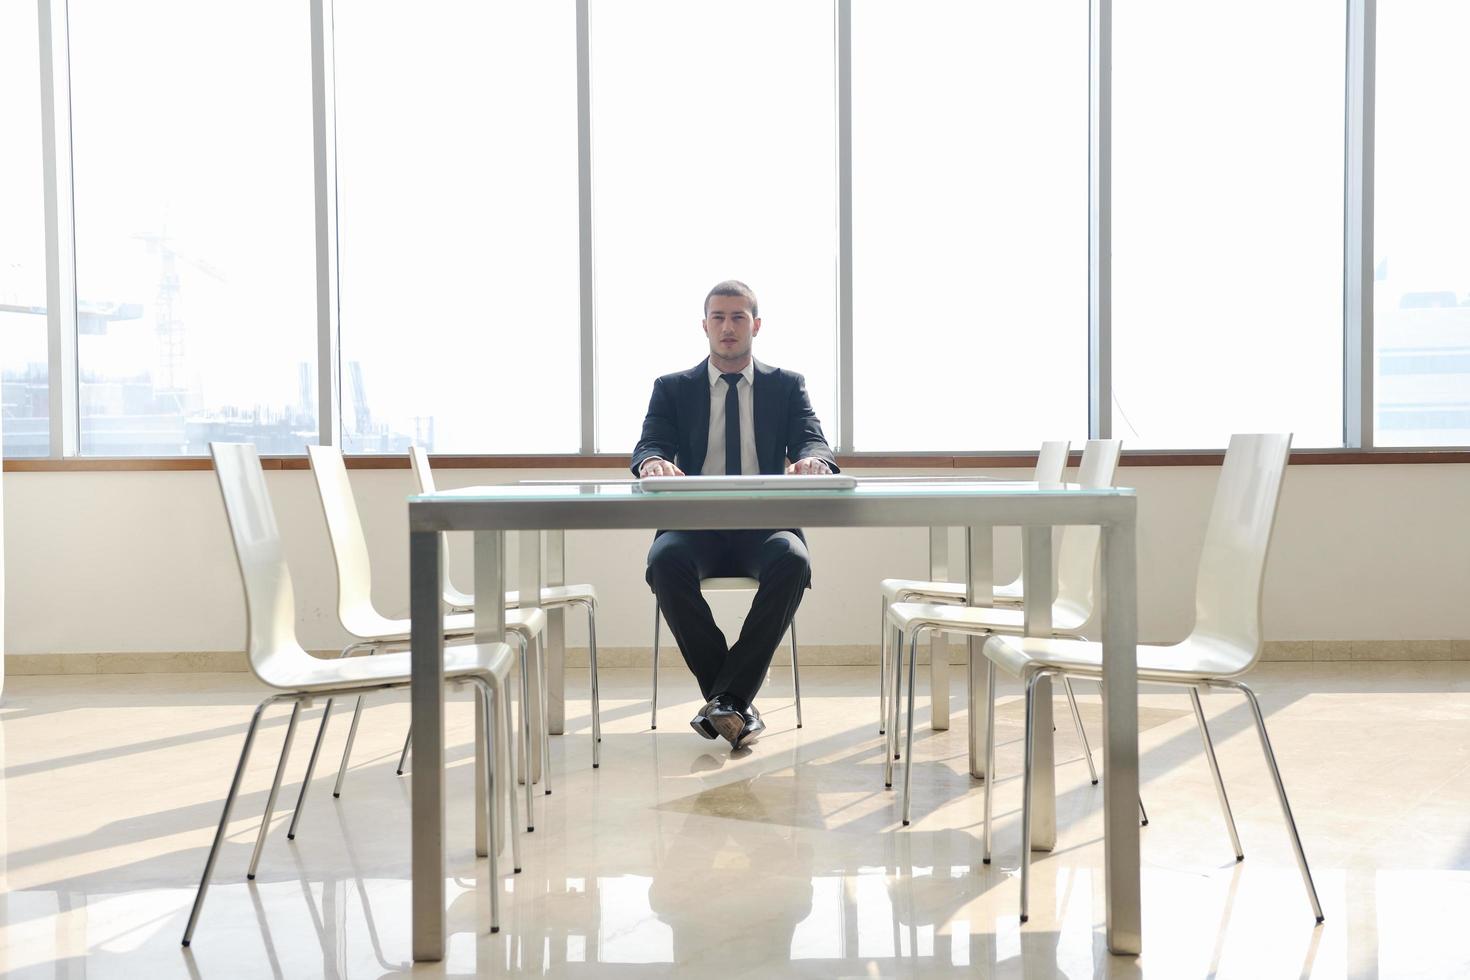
point(887, 488)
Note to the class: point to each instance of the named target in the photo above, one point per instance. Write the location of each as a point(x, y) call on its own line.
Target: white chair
point(1051, 463)
point(1073, 613)
point(733, 584)
point(1225, 642)
point(552, 597)
point(278, 661)
point(376, 632)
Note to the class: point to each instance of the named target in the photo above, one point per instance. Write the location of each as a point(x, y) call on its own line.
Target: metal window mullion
point(1357, 269)
point(1100, 222)
point(324, 165)
point(586, 282)
point(54, 37)
point(845, 435)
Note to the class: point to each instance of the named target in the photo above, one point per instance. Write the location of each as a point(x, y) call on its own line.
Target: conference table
point(975, 505)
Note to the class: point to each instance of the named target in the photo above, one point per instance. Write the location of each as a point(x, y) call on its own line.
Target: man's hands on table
point(809, 466)
point(653, 466)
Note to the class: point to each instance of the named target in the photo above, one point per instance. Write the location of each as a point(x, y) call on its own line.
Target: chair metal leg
point(1081, 732)
point(487, 767)
point(882, 665)
point(526, 737)
point(1142, 813)
point(596, 701)
point(989, 752)
point(407, 744)
point(895, 692)
point(653, 710)
point(270, 801)
point(1296, 840)
point(908, 748)
point(224, 819)
point(795, 673)
point(1026, 781)
point(545, 731)
point(347, 749)
point(502, 697)
point(316, 750)
point(1204, 731)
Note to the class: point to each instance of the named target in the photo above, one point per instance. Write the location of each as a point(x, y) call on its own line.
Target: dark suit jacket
point(677, 425)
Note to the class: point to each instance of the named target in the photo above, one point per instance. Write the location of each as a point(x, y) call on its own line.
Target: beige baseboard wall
point(833, 655)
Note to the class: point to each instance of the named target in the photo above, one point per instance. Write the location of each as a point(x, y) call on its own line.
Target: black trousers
point(676, 563)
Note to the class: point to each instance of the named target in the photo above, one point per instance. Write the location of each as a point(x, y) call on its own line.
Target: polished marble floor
point(679, 859)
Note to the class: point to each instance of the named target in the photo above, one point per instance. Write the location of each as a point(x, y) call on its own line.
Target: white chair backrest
point(1051, 462)
point(1232, 566)
point(349, 544)
point(270, 603)
point(418, 458)
point(1077, 558)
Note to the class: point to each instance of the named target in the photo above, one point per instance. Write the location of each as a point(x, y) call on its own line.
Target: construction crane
point(362, 416)
point(168, 324)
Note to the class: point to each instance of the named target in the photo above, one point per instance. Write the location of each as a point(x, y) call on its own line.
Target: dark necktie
point(732, 424)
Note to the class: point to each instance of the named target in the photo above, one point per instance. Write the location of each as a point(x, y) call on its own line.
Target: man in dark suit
point(730, 414)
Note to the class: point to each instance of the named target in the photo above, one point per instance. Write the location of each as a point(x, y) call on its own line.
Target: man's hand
point(809, 466)
point(653, 466)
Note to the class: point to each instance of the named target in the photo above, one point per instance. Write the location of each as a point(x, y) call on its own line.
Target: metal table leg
point(556, 634)
point(938, 639)
point(980, 591)
point(1037, 583)
point(528, 581)
point(427, 702)
point(1120, 732)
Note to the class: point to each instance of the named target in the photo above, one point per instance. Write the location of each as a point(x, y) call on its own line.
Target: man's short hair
point(734, 287)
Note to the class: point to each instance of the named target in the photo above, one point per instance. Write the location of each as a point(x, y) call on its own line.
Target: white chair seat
point(308, 673)
point(1192, 661)
point(1011, 592)
point(905, 589)
point(553, 596)
point(734, 584)
point(527, 622)
point(978, 619)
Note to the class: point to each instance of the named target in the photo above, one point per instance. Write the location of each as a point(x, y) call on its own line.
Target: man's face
point(730, 327)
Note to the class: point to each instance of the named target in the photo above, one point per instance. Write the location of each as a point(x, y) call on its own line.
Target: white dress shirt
point(714, 456)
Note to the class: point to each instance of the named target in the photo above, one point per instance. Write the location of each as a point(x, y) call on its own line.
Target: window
point(457, 216)
point(1227, 221)
point(713, 158)
point(1421, 293)
point(194, 225)
point(24, 387)
point(970, 193)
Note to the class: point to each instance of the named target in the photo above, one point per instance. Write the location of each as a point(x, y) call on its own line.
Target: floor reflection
point(786, 861)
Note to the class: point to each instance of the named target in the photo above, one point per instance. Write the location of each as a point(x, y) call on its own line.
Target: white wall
point(141, 562)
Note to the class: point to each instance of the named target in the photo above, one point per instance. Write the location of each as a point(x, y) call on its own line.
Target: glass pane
point(970, 126)
point(1421, 297)
point(1227, 221)
point(194, 227)
point(714, 142)
point(24, 393)
point(457, 215)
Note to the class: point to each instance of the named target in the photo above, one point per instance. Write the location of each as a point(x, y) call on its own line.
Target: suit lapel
point(767, 416)
point(696, 404)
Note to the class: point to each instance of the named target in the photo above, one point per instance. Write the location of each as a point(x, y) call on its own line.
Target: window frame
point(1357, 408)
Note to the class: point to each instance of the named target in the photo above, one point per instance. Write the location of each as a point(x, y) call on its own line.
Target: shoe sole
point(704, 727)
point(729, 726)
point(748, 735)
